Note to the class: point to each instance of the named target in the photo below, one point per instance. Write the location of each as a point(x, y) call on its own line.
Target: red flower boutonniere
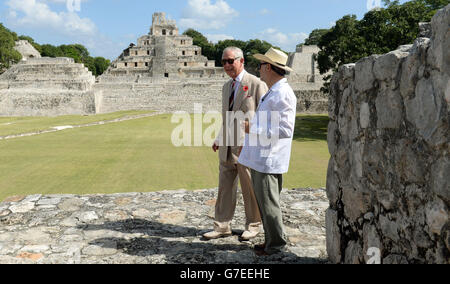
point(245, 88)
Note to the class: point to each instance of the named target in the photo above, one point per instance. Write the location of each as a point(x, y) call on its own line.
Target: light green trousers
point(267, 189)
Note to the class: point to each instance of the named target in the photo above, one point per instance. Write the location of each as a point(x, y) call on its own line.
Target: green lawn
point(19, 125)
point(133, 156)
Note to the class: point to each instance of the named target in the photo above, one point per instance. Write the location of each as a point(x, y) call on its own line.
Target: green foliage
point(315, 36)
point(214, 51)
point(208, 48)
point(8, 55)
point(378, 32)
point(80, 54)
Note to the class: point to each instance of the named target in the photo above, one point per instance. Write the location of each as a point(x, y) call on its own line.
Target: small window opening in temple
point(164, 32)
point(148, 52)
point(196, 52)
point(166, 75)
point(185, 63)
point(146, 63)
point(126, 64)
point(135, 64)
point(184, 52)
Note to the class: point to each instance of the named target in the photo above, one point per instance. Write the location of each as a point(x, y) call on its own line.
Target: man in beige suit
point(240, 96)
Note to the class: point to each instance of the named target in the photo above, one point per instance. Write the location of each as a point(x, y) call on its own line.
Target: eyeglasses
point(229, 61)
point(261, 64)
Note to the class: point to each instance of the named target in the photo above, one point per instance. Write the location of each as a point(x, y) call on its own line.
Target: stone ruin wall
point(47, 87)
point(388, 176)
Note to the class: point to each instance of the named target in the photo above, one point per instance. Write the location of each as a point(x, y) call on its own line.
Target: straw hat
point(274, 57)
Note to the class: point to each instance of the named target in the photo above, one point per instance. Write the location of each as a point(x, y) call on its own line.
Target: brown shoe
point(261, 253)
point(260, 247)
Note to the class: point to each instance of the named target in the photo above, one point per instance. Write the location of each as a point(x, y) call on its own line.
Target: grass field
point(131, 156)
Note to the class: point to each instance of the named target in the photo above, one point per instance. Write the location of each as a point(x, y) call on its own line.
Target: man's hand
point(215, 147)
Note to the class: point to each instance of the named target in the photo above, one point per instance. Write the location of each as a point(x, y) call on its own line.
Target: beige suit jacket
point(246, 100)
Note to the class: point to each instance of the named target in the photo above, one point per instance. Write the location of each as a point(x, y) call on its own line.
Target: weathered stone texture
point(388, 176)
point(153, 228)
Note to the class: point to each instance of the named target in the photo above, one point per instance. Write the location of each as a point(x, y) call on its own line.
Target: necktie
point(232, 96)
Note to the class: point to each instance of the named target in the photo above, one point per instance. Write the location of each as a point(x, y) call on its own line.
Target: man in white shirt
point(267, 147)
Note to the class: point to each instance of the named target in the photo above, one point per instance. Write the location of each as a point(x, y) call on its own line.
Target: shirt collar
point(278, 84)
point(240, 76)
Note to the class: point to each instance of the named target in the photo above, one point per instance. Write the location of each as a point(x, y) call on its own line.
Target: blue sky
point(106, 27)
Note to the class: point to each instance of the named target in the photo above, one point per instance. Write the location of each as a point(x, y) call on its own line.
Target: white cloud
point(215, 38)
point(37, 14)
point(206, 15)
point(286, 41)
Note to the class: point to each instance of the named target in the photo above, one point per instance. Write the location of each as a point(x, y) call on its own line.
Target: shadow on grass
point(311, 128)
point(164, 239)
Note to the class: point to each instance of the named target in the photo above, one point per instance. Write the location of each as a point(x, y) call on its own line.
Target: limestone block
point(387, 199)
point(424, 111)
point(386, 66)
point(331, 137)
point(333, 236)
point(436, 216)
point(364, 115)
point(332, 184)
point(409, 75)
point(389, 107)
point(389, 228)
point(364, 74)
point(409, 163)
point(440, 178)
point(353, 253)
point(439, 54)
point(356, 203)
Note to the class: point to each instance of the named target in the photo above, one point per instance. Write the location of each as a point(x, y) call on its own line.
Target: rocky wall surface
point(388, 176)
point(166, 97)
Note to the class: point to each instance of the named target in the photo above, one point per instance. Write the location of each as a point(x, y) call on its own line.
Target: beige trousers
point(226, 200)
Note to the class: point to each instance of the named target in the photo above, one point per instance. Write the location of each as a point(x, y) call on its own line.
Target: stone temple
point(166, 54)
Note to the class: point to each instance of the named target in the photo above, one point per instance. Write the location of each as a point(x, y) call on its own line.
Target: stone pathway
point(60, 128)
point(156, 228)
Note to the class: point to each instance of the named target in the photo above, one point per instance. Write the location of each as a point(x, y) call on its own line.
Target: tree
point(208, 48)
point(8, 55)
point(378, 32)
point(314, 36)
point(101, 64)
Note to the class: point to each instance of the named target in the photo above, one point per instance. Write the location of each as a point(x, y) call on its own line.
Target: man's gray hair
point(238, 53)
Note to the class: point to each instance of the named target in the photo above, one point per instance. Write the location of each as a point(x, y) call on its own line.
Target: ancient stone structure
point(155, 228)
point(163, 72)
point(163, 53)
point(388, 177)
point(46, 86)
point(306, 80)
point(26, 50)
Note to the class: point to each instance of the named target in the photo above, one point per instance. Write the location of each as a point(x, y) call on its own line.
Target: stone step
point(63, 85)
